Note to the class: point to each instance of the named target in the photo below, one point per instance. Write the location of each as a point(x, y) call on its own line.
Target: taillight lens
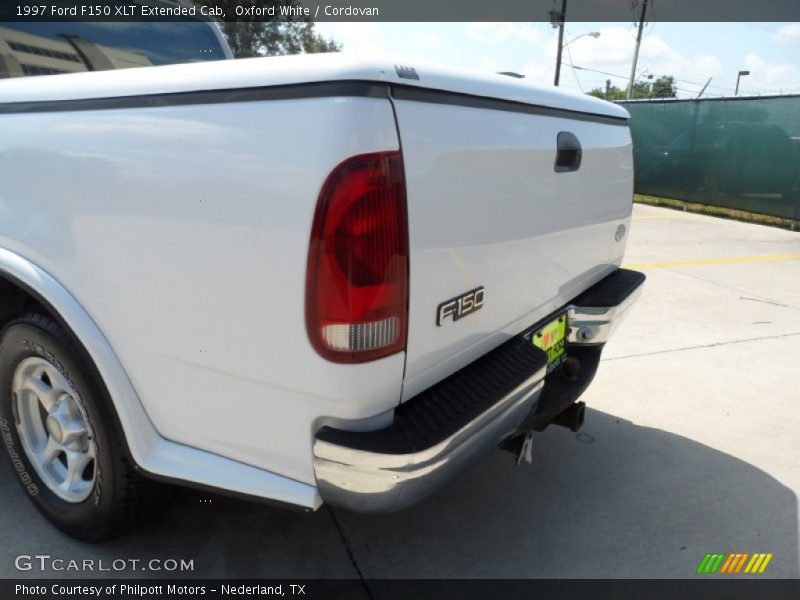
point(357, 280)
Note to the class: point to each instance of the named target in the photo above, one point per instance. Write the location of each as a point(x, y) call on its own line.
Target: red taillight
point(357, 280)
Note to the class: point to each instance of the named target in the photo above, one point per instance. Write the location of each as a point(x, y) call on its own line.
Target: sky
point(691, 52)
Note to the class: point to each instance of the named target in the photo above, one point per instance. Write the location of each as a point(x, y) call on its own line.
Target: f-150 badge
point(460, 306)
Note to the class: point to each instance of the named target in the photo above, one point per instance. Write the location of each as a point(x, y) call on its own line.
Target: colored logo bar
point(736, 562)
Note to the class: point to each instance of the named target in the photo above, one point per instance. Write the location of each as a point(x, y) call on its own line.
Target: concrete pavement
point(691, 445)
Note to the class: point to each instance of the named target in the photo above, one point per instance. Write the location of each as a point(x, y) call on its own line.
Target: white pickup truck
point(302, 279)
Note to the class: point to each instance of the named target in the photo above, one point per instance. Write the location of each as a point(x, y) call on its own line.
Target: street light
point(594, 34)
point(738, 77)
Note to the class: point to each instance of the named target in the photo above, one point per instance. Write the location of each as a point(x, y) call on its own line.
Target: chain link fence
point(739, 153)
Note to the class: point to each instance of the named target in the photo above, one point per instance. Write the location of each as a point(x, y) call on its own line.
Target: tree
point(640, 90)
point(284, 35)
point(254, 38)
point(663, 87)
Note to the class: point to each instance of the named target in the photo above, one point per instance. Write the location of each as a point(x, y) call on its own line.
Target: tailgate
point(487, 209)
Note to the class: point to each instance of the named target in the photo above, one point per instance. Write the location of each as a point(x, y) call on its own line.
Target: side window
point(28, 49)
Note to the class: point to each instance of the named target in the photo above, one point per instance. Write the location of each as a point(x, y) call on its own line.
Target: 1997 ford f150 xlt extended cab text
point(300, 279)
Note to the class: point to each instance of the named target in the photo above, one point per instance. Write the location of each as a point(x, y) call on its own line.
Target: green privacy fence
point(741, 153)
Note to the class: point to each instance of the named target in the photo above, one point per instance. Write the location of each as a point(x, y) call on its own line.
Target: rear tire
point(60, 434)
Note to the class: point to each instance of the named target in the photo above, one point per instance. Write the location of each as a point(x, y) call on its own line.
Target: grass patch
point(718, 211)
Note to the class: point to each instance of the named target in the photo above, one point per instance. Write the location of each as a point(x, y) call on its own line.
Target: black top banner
point(400, 10)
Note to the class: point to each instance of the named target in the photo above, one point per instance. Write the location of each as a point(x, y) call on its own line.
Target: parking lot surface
point(691, 445)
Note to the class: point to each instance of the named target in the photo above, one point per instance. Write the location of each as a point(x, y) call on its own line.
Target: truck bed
point(178, 203)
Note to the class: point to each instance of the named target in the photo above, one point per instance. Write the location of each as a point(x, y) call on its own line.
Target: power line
point(727, 88)
point(574, 73)
point(750, 91)
point(681, 89)
point(778, 32)
point(663, 63)
point(524, 54)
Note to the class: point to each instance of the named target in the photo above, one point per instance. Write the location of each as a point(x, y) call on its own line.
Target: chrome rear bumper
point(595, 314)
point(437, 434)
point(367, 481)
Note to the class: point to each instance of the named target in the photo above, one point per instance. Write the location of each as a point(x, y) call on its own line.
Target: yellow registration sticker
point(552, 339)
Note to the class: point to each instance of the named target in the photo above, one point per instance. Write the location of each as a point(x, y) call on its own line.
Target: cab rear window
point(31, 48)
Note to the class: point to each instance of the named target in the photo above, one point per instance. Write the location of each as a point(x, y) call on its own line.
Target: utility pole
point(636, 51)
point(608, 89)
point(561, 18)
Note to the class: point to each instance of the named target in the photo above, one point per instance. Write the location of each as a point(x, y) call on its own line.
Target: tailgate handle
point(568, 153)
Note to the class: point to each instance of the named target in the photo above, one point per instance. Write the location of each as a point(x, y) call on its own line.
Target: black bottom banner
point(390, 589)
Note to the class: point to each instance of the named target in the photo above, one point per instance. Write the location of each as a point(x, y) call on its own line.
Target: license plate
point(552, 339)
